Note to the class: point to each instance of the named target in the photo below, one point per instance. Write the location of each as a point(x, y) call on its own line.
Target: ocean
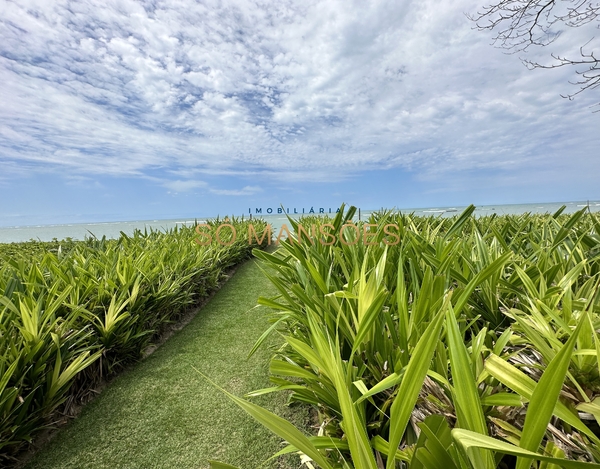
point(80, 231)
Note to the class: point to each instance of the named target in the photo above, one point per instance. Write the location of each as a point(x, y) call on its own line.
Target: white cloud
point(180, 185)
point(247, 190)
point(291, 91)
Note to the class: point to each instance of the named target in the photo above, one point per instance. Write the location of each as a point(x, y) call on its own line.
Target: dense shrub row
point(74, 313)
point(472, 343)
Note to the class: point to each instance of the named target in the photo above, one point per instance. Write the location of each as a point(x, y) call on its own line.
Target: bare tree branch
point(521, 24)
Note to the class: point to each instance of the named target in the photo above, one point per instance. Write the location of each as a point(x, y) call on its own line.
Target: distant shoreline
point(112, 229)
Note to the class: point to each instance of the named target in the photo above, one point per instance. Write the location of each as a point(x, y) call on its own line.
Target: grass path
point(162, 414)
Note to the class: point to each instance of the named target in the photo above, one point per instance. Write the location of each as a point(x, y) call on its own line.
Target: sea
point(80, 231)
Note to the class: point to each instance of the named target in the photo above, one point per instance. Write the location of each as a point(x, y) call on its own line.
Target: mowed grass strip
point(163, 414)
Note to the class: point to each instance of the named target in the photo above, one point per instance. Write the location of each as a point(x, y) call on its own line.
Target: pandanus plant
point(69, 317)
point(471, 343)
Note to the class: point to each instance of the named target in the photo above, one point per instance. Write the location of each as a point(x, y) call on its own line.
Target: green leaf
point(591, 408)
point(266, 334)
point(384, 447)
point(468, 440)
point(504, 399)
point(460, 221)
point(277, 425)
point(432, 453)
point(415, 374)
point(386, 383)
point(545, 396)
point(466, 396)
point(480, 277)
point(366, 322)
point(352, 423)
point(564, 230)
point(281, 368)
point(522, 384)
point(320, 442)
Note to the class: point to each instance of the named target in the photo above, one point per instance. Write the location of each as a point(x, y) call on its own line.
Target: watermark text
point(326, 234)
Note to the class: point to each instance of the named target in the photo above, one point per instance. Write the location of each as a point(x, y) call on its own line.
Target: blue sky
point(120, 110)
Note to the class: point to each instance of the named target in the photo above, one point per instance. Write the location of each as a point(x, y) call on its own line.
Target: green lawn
point(162, 414)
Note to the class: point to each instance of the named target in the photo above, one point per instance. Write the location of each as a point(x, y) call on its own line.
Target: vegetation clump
point(472, 343)
point(76, 312)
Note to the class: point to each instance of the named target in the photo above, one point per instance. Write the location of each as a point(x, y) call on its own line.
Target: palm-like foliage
point(470, 339)
point(69, 317)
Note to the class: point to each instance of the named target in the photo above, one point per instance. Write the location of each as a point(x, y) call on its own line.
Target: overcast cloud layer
point(178, 92)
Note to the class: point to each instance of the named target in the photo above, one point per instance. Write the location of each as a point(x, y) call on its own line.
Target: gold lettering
point(203, 233)
point(233, 232)
point(281, 230)
point(394, 235)
point(367, 234)
point(302, 230)
point(327, 234)
point(252, 233)
point(355, 228)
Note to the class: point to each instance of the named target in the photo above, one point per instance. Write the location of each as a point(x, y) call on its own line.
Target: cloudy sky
point(121, 110)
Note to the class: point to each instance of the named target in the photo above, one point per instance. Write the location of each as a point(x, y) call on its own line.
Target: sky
point(135, 110)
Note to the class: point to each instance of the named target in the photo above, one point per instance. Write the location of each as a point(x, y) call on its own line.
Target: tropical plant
point(469, 342)
point(75, 314)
